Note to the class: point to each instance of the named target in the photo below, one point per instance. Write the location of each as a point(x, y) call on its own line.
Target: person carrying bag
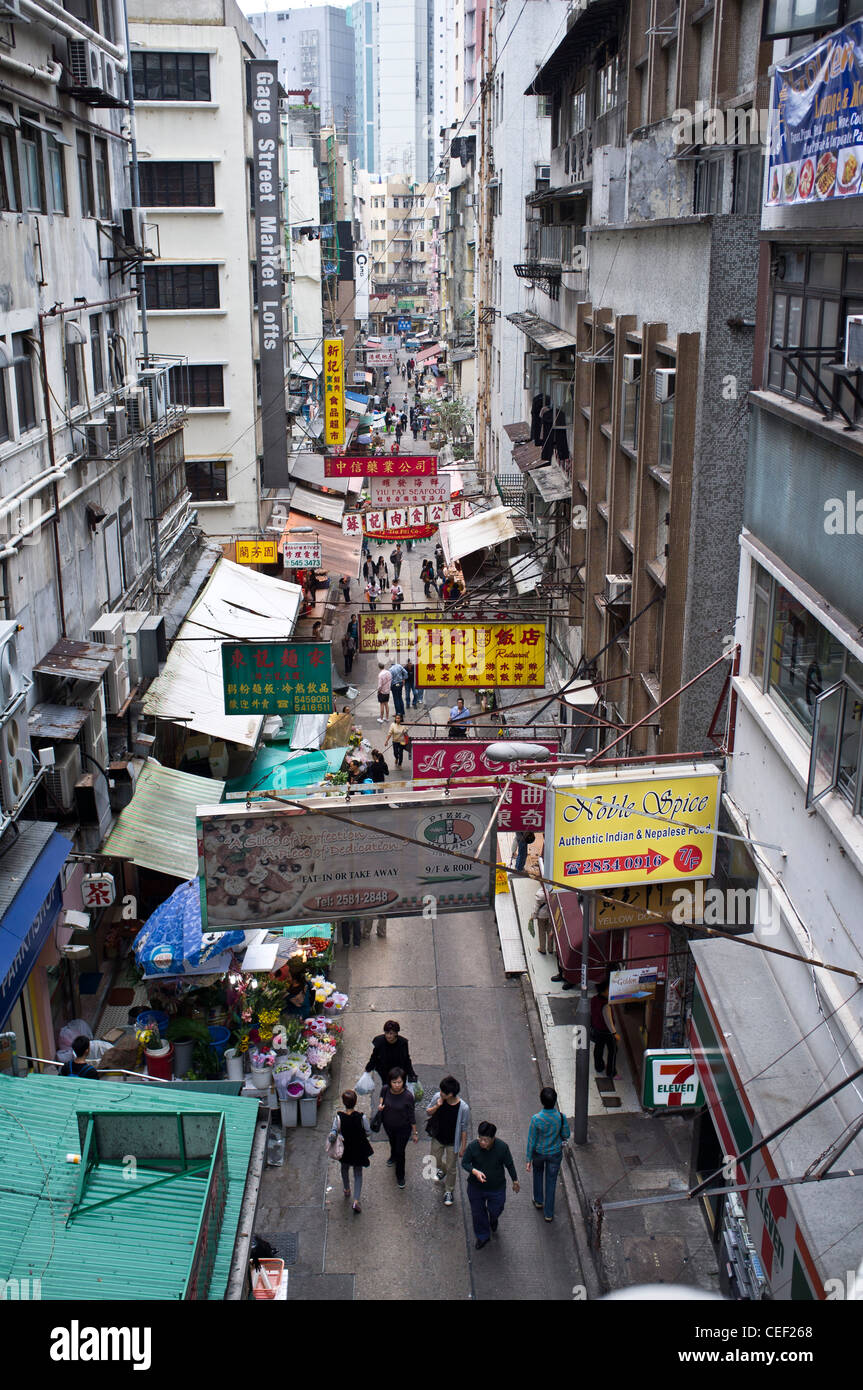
point(348, 1145)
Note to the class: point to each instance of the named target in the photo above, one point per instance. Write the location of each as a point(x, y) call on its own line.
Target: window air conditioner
point(61, 778)
point(854, 341)
point(13, 681)
point(663, 383)
point(17, 769)
point(133, 228)
point(543, 171)
point(85, 64)
point(117, 424)
point(96, 438)
point(155, 382)
point(137, 409)
point(618, 588)
point(631, 366)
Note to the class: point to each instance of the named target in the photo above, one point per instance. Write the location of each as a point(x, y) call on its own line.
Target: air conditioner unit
point(152, 646)
point(109, 631)
point(663, 383)
point(137, 410)
point(118, 427)
point(117, 686)
point(133, 228)
point(85, 64)
point(543, 171)
point(61, 778)
point(618, 588)
point(132, 622)
point(92, 801)
point(96, 438)
point(631, 366)
point(854, 341)
point(17, 769)
point(13, 681)
point(112, 79)
point(155, 382)
point(468, 200)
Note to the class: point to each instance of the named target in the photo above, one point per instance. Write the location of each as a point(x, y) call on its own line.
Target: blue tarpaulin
point(173, 942)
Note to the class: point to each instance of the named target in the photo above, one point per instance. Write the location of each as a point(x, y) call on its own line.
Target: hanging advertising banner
point(376, 357)
point(362, 285)
point(630, 828)
point(255, 552)
point(352, 524)
point(390, 632)
point(301, 555)
point(630, 986)
point(523, 806)
point(263, 867)
point(670, 1079)
point(400, 466)
point(405, 492)
point(406, 533)
point(264, 87)
point(480, 655)
point(277, 677)
point(638, 907)
point(334, 393)
point(816, 137)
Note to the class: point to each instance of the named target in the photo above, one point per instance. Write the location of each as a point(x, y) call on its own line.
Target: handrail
point(103, 1071)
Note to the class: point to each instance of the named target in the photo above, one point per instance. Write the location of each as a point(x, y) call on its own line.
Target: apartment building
point(314, 48)
point(398, 220)
point(195, 147)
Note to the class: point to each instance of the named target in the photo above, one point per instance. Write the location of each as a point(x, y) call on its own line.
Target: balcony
point(554, 248)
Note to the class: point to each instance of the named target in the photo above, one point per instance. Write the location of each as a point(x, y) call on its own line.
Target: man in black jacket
point(390, 1050)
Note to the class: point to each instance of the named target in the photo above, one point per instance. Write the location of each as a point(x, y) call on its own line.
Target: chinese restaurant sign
point(334, 392)
point(406, 492)
point(637, 907)
point(264, 89)
point(256, 552)
point(379, 358)
point(389, 632)
point(301, 555)
point(403, 522)
point(634, 828)
point(277, 677)
point(399, 466)
point(523, 806)
point(264, 867)
point(481, 655)
point(816, 137)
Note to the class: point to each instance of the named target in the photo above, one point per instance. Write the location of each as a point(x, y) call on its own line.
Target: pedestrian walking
point(368, 568)
point(404, 419)
point(458, 719)
point(378, 769)
point(353, 1126)
point(388, 381)
point(382, 574)
point(398, 1118)
point(545, 1136)
point(345, 585)
point(390, 1049)
point(522, 840)
point(603, 1033)
point(405, 401)
point(448, 1117)
point(354, 630)
point(384, 683)
point(351, 926)
point(428, 577)
point(395, 448)
point(399, 431)
point(425, 428)
point(542, 921)
point(411, 691)
point(397, 594)
point(372, 594)
point(396, 560)
point(349, 648)
point(415, 427)
point(398, 676)
point(439, 560)
point(487, 1160)
point(398, 736)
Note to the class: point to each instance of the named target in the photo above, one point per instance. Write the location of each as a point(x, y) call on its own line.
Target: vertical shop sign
point(334, 393)
point(264, 91)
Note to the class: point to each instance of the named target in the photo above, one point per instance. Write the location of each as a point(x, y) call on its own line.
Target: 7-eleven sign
point(670, 1079)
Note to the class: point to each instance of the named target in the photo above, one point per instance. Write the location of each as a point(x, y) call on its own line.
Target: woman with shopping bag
point(352, 1127)
point(397, 1116)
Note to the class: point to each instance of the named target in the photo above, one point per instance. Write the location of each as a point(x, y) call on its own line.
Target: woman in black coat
point(390, 1050)
point(353, 1126)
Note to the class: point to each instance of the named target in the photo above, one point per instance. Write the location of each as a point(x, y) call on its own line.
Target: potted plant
point(205, 1061)
point(185, 1034)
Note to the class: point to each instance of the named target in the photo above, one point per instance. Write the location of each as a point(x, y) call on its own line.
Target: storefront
point(30, 903)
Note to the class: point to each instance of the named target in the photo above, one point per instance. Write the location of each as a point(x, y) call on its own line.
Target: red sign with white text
point(523, 807)
point(385, 466)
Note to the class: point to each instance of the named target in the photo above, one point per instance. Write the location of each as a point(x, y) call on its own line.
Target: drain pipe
point(14, 1039)
point(51, 74)
point(52, 458)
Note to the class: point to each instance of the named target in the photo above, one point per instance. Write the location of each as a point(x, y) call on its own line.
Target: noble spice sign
point(277, 677)
point(334, 392)
point(480, 655)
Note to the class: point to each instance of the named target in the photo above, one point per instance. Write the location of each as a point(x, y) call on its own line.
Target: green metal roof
point(138, 1248)
point(157, 828)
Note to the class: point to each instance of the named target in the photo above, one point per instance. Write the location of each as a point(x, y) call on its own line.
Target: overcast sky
point(257, 6)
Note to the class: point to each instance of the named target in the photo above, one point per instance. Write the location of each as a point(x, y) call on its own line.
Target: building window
point(85, 175)
point(708, 184)
point(171, 76)
point(103, 185)
point(784, 18)
point(5, 432)
point(116, 352)
point(96, 354)
point(182, 286)
point(73, 373)
point(760, 617)
point(747, 180)
point(579, 111)
point(607, 86)
point(178, 184)
point(198, 386)
point(543, 105)
point(32, 171)
point(22, 358)
point(666, 433)
point(55, 172)
point(814, 291)
point(629, 413)
point(8, 162)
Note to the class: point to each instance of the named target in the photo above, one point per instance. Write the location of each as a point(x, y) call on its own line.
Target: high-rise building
point(315, 52)
point(363, 16)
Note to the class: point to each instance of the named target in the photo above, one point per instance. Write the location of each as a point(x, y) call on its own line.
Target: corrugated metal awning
point(236, 602)
point(309, 468)
point(526, 455)
point(551, 482)
point(548, 335)
point(157, 828)
point(520, 430)
point(318, 504)
point(460, 538)
point(430, 353)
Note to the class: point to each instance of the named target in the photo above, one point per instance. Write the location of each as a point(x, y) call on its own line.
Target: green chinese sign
point(277, 677)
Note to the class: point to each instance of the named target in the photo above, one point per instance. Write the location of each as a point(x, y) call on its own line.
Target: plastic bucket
point(262, 1077)
point(153, 1016)
point(220, 1038)
point(289, 1113)
point(161, 1064)
point(309, 1111)
point(236, 1064)
point(184, 1049)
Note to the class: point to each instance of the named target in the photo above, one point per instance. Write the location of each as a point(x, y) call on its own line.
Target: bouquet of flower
point(261, 1058)
point(315, 1027)
point(148, 1037)
point(267, 1019)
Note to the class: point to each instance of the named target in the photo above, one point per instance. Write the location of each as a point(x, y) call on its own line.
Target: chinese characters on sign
point(379, 358)
point(480, 655)
point(523, 806)
point(334, 392)
point(402, 466)
point(277, 678)
point(97, 890)
point(301, 555)
point(381, 632)
point(393, 491)
point(256, 552)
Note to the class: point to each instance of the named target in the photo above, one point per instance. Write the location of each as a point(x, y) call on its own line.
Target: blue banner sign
point(816, 122)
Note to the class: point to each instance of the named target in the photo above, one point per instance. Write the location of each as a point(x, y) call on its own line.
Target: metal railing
point(554, 243)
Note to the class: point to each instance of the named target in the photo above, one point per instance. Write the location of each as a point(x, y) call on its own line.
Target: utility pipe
point(55, 17)
point(46, 390)
point(52, 74)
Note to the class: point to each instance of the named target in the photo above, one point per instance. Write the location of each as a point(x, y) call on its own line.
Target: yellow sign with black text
point(480, 655)
point(256, 552)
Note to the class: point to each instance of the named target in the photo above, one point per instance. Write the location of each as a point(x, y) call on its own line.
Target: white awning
point(157, 828)
point(309, 369)
point(551, 482)
point(309, 468)
point(237, 602)
point(526, 572)
point(476, 532)
point(319, 504)
point(548, 335)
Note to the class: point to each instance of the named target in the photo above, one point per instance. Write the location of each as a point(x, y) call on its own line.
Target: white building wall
point(402, 78)
point(306, 327)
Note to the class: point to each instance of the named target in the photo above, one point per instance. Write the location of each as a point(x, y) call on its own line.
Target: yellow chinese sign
point(634, 828)
point(256, 552)
point(636, 907)
point(480, 655)
point(334, 392)
point(390, 632)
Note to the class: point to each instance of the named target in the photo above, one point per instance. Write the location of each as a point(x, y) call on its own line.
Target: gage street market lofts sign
point(651, 826)
point(480, 655)
point(277, 677)
point(523, 805)
point(262, 866)
point(264, 88)
point(397, 466)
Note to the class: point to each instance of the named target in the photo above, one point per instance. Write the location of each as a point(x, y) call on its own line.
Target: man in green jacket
point(487, 1161)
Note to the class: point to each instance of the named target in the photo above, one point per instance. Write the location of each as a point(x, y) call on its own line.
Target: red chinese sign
point(392, 466)
point(523, 807)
